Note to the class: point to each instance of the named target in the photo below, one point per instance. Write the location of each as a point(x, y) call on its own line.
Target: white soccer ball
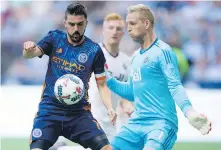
point(69, 89)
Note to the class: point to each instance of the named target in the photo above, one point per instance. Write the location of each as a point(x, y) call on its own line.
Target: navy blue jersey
point(64, 58)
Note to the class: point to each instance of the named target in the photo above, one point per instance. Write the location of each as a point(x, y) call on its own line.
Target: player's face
point(136, 27)
point(75, 26)
point(113, 31)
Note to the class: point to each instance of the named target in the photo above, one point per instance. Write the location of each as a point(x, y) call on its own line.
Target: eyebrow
point(75, 22)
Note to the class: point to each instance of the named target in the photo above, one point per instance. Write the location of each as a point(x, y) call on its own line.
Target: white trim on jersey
point(100, 76)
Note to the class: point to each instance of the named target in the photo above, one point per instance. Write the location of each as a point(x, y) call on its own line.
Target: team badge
point(37, 133)
point(82, 58)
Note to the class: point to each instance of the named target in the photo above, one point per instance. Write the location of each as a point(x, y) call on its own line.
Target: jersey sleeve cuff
point(101, 76)
point(41, 51)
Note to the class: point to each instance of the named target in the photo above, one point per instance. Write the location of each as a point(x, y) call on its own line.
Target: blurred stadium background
point(192, 28)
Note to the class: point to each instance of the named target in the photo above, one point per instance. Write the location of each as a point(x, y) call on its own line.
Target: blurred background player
point(154, 86)
point(119, 63)
point(70, 52)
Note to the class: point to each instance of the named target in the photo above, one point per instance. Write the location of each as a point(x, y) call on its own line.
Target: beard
point(76, 37)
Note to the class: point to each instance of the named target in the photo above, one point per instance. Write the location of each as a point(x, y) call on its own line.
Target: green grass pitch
point(22, 144)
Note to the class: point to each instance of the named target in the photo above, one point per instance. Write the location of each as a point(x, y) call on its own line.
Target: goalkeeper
point(154, 86)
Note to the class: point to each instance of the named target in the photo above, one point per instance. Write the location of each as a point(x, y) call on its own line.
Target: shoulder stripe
point(168, 53)
point(167, 56)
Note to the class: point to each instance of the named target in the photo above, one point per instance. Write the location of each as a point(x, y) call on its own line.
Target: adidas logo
point(59, 50)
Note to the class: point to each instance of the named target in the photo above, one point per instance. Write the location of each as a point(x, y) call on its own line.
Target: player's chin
point(76, 40)
point(114, 40)
point(134, 38)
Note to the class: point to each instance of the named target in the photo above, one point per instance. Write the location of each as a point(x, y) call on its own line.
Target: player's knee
point(153, 145)
point(107, 147)
point(40, 145)
point(71, 148)
point(99, 143)
point(114, 147)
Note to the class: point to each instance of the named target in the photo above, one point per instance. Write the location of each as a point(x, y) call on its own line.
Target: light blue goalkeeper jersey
point(154, 85)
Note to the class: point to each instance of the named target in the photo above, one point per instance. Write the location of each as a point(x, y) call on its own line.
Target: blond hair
point(145, 10)
point(113, 16)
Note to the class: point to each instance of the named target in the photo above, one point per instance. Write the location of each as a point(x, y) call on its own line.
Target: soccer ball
point(69, 89)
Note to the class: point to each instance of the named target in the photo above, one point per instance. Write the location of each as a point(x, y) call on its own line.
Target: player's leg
point(108, 128)
point(115, 148)
point(86, 131)
point(101, 116)
point(72, 148)
point(45, 132)
point(161, 138)
point(156, 144)
point(122, 118)
point(128, 138)
point(61, 142)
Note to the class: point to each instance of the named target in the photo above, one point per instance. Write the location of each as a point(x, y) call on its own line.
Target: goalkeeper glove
point(199, 121)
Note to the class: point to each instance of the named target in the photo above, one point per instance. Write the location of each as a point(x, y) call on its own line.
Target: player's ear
point(86, 23)
point(147, 23)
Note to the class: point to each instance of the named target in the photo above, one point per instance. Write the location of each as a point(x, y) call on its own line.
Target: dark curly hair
point(76, 9)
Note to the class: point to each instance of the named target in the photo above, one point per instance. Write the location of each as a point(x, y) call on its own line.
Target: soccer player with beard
point(119, 65)
point(76, 54)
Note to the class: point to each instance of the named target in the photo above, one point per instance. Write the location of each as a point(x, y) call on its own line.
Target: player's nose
point(75, 28)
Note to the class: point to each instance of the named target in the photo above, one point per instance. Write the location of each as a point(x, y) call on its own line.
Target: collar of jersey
point(109, 52)
point(143, 51)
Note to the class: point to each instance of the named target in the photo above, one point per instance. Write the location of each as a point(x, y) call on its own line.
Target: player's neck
point(75, 44)
point(148, 40)
point(112, 49)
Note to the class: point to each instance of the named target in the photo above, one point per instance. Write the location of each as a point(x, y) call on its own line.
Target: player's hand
point(199, 121)
point(112, 115)
point(29, 46)
point(127, 107)
point(128, 110)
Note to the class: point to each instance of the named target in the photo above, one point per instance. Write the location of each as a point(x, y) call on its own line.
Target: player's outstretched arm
point(199, 121)
point(44, 46)
point(30, 50)
point(106, 99)
point(169, 66)
point(123, 89)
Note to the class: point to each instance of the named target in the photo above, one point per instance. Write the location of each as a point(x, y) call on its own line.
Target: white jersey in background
point(119, 68)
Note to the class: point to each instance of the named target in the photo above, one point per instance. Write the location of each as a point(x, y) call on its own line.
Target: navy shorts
point(80, 128)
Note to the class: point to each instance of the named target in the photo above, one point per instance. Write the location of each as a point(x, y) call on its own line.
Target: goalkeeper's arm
point(169, 67)
point(123, 89)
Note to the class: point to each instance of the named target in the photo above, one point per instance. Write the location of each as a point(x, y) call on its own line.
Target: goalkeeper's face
point(136, 26)
point(113, 31)
point(75, 26)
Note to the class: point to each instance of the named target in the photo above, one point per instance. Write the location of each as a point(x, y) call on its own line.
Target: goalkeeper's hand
point(199, 121)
